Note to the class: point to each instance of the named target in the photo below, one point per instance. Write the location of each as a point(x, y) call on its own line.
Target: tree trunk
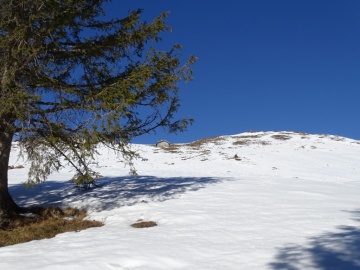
point(8, 208)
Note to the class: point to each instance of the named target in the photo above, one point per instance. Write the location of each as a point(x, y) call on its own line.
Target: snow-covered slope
point(267, 200)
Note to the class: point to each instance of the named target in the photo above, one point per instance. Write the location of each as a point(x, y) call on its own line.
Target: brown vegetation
point(44, 223)
point(173, 148)
point(281, 137)
point(198, 143)
point(144, 224)
point(242, 142)
point(248, 136)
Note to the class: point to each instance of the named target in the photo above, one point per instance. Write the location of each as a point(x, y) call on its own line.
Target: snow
point(290, 201)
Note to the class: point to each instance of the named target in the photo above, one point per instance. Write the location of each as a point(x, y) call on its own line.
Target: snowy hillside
point(267, 200)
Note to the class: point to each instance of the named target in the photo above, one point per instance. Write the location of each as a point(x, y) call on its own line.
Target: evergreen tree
point(71, 79)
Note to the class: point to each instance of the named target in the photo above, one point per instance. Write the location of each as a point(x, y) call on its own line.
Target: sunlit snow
point(266, 200)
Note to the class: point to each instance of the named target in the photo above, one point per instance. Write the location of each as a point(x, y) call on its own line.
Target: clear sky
point(264, 65)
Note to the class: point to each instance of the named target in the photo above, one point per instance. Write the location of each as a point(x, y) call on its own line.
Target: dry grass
point(215, 140)
point(44, 223)
point(281, 137)
point(301, 133)
point(242, 142)
point(173, 148)
point(334, 138)
point(250, 142)
point(294, 133)
point(202, 153)
point(144, 224)
point(263, 143)
point(337, 138)
point(248, 136)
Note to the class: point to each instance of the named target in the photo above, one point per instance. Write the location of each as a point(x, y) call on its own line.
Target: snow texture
point(266, 200)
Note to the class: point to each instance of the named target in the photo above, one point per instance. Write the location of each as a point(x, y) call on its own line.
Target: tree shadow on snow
point(338, 250)
point(111, 192)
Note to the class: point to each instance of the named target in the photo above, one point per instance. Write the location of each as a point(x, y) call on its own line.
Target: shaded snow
point(269, 200)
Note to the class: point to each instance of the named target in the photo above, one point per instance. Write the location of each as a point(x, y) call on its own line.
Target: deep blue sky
point(264, 65)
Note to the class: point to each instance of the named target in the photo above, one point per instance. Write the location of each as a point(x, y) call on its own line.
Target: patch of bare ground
point(143, 224)
point(281, 137)
point(173, 148)
point(337, 138)
point(199, 143)
point(257, 136)
point(44, 222)
point(242, 142)
point(249, 142)
point(334, 138)
point(201, 154)
point(294, 132)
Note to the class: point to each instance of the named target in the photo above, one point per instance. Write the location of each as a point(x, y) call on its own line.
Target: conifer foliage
point(72, 79)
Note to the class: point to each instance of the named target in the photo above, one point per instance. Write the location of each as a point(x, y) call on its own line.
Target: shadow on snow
point(111, 192)
point(338, 250)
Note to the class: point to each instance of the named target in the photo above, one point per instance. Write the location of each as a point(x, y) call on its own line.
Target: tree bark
point(8, 208)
